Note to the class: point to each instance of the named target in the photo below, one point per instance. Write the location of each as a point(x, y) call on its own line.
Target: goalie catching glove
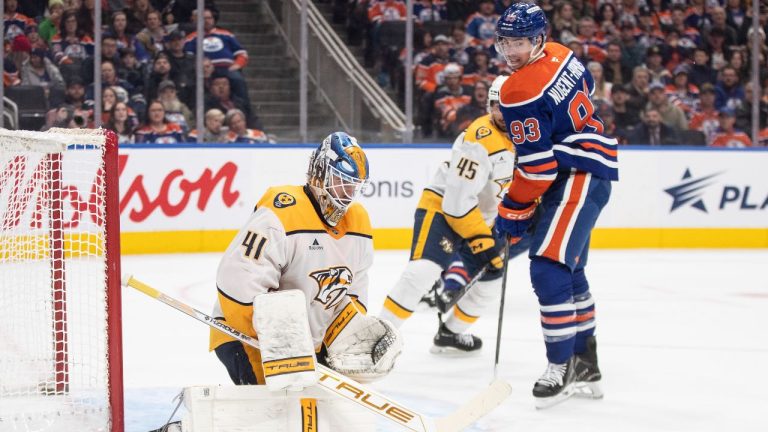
point(366, 347)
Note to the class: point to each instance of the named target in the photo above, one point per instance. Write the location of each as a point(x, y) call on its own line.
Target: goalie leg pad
point(287, 352)
point(365, 349)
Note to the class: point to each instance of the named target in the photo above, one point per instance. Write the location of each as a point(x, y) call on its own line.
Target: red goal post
point(60, 313)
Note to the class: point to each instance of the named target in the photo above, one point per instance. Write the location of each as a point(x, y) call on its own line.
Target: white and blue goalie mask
point(338, 174)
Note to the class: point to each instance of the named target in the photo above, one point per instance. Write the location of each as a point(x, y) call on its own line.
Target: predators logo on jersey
point(482, 132)
point(284, 200)
point(332, 284)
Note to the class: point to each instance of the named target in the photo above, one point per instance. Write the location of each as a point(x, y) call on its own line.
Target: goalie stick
point(349, 389)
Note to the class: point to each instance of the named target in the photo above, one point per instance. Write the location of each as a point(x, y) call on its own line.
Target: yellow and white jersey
point(286, 246)
point(473, 183)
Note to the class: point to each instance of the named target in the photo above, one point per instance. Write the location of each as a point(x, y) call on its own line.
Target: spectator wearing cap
point(20, 49)
point(39, 70)
point(71, 45)
point(615, 70)
point(157, 129)
point(625, 116)
point(225, 52)
point(730, 92)
point(671, 115)
point(726, 134)
point(449, 98)
point(75, 102)
point(239, 132)
point(682, 93)
point(118, 28)
point(705, 117)
point(14, 23)
point(175, 110)
point(482, 24)
point(215, 131)
point(50, 25)
point(151, 37)
point(221, 97)
point(654, 63)
point(701, 71)
point(652, 130)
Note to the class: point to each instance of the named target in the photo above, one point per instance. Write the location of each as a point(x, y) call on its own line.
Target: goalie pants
point(435, 245)
point(559, 251)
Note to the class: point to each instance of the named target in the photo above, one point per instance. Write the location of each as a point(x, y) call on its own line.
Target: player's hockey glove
point(514, 218)
point(483, 247)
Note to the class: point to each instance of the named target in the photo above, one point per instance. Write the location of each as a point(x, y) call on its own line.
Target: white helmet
point(495, 90)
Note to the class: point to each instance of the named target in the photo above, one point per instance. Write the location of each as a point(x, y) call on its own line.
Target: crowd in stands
point(667, 71)
point(147, 68)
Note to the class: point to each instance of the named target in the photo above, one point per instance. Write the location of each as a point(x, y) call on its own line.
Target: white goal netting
point(54, 336)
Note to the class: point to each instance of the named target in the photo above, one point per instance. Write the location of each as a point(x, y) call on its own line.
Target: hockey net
point(60, 338)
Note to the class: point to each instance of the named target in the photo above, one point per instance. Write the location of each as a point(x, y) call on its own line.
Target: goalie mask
point(338, 173)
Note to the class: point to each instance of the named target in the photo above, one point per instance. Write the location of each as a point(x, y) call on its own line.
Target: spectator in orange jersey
point(449, 98)
point(239, 132)
point(705, 117)
point(727, 135)
point(158, 130)
point(428, 76)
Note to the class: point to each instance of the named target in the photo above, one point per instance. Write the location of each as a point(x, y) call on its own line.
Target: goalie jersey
point(469, 188)
point(285, 246)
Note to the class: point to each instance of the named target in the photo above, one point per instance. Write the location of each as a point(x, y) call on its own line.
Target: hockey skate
point(449, 343)
point(555, 385)
point(587, 374)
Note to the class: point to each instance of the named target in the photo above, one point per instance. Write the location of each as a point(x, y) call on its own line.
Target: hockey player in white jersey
point(456, 213)
point(316, 240)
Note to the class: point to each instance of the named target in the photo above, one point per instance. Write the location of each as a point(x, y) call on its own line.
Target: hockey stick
point(501, 309)
point(349, 389)
point(444, 307)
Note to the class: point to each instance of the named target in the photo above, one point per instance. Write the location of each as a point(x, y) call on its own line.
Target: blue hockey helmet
point(522, 20)
point(338, 173)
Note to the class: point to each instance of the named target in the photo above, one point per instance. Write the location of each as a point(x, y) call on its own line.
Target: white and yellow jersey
point(286, 246)
point(468, 189)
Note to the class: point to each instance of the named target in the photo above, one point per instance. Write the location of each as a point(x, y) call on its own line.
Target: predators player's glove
point(483, 247)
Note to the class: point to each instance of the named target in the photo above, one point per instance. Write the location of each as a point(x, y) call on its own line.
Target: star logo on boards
point(689, 191)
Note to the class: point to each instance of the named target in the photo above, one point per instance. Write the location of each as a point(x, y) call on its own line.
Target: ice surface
point(681, 339)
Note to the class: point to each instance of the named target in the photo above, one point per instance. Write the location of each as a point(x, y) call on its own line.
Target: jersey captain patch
point(283, 200)
point(332, 284)
point(482, 132)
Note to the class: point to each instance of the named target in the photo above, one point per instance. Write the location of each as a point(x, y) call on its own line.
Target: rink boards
point(193, 198)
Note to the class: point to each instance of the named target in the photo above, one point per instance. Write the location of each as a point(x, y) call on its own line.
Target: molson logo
point(176, 183)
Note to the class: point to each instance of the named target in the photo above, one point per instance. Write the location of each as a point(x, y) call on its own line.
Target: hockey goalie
point(296, 277)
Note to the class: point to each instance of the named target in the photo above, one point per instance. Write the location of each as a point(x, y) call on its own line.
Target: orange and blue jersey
point(220, 46)
point(171, 134)
point(552, 122)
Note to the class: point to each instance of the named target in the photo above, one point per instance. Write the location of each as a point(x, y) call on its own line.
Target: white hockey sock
point(474, 303)
point(416, 280)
